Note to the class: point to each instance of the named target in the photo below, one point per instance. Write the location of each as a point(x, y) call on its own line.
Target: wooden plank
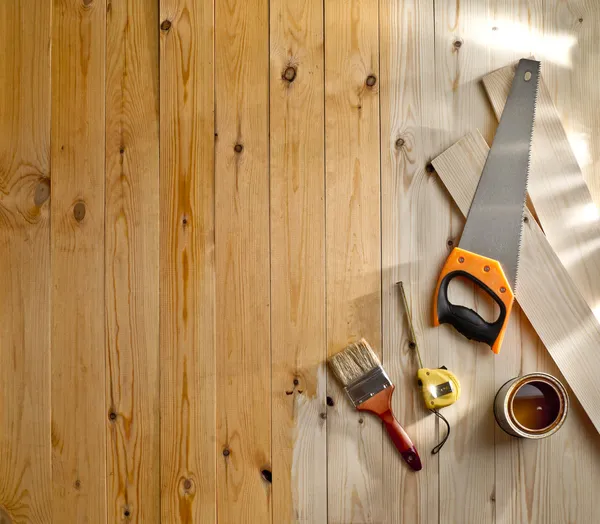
point(562, 200)
point(242, 261)
point(131, 247)
point(535, 464)
point(187, 267)
point(25, 461)
point(353, 248)
point(299, 442)
point(563, 320)
point(79, 416)
point(415, 222)
point(466, 479)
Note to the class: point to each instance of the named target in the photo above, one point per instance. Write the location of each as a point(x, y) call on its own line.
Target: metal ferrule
point(368, 385)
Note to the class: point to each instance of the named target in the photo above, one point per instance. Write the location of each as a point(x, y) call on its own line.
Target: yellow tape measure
point(440, 388)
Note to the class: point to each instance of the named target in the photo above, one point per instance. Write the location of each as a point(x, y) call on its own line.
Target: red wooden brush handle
point(381, 405)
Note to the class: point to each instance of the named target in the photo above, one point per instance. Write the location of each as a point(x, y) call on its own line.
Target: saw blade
point(495, 220)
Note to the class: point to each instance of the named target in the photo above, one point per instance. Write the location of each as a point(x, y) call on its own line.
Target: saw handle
point(487, 274)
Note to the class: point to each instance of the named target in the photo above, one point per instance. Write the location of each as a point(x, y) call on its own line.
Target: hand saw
point(488, 252)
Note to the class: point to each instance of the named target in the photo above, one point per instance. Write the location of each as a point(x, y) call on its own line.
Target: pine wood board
point(415, 223)
point(564, 322)
point(466, 463)
point(79, 414)
point(187, 265)
point(298, 349)
point(25, 460)
point(353, 249)
point(132, 259)
point(242, 261)
point(561, 198)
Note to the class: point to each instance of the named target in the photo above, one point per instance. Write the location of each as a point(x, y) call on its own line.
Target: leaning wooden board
point(561, 198)
point(558, 312)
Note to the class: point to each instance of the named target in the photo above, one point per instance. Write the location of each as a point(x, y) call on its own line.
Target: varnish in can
point(532, 406)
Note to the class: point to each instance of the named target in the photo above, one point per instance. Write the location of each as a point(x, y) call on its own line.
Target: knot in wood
point(371, 80)
point(165, 25)
point(238, 148)
point(79, 211)
point(400, 143)
point(289, 74)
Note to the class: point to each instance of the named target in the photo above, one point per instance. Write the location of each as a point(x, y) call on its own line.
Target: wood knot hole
point(226, 452)
point(42, 193)
point(399, 143)
point(323, 416)
point(238, 148)
point(296, 382)
point(330, 401)
point(79, 211)
point(112, 415)
point(526, 219)
point(360, 420)
point(165, 25)
point(187, 484)
point(126, 513)
point(412, 345)
point(77, 484)
point(289, 74)
point(267, 475)
point(580, 20)
point(457, 43)
point(429, 168)
point(87, 3)
point(450, 242)
point(371, 80)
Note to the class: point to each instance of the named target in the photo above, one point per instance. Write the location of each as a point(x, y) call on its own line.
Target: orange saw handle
point(487, 274)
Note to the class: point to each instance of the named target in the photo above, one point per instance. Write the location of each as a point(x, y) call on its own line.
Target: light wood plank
point(242, 261)
point(567, 327)
point(562, 200)
point(466, 477)
point(79, 416)
point(415, 222)
point(131, 244)
point(187, 267)
point(298, 261)
point(353, 248)
point(25, 460)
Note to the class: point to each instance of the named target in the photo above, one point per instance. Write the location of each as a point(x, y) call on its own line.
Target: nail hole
point(458, 44)
point(289, 74)
point(580, 20)
point(112, 416)
point(79, 211)
point(296, 382)
point(166, 25)
point(450, 243)
point(127, 513)
point(238, 148)
point(371, 80)
point(360, 420)
point(122, 150)
point(267, 475)
point(330, 401)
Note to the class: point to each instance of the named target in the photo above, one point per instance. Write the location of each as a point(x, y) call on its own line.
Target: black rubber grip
point(466, 321)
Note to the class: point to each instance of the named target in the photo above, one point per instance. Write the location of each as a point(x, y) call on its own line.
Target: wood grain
point(187, 266)
point(298, 261)
point(466, 477)
point(353, 248)
point(25, 461)
point(79, 416)
point(562, 200)
point(415, 221)
point(131, 244)
point(242, 261)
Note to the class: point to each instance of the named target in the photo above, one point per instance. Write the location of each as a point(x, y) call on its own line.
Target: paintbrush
point(370, 389)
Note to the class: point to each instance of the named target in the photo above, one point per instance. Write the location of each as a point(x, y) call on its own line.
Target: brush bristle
point(353, 362)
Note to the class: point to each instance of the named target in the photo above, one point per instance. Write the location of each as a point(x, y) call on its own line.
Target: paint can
point(533, 406)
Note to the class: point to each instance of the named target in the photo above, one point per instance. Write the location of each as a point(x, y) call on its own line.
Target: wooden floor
point(200, 200)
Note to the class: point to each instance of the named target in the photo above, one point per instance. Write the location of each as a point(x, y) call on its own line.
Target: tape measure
point(440, 388)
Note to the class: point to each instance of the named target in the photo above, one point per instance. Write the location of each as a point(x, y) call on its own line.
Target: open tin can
point(533, 406)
